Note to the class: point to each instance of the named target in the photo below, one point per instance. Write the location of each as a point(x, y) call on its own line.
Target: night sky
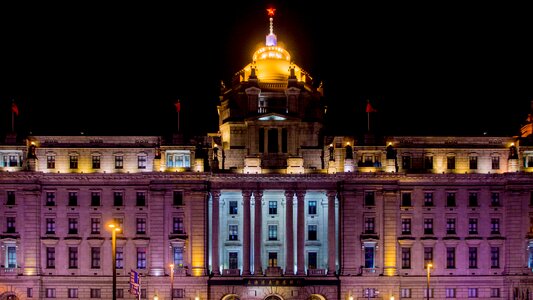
point(117, 69)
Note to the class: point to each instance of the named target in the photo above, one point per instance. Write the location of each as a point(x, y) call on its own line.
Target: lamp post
point(429, 266)
point(171, 281)
point(114, 229)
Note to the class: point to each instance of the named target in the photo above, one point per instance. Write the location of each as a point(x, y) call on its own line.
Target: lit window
point(272, 232)
point(119, 162)
point(95, 257)
point(141, 258)
point(141, 162)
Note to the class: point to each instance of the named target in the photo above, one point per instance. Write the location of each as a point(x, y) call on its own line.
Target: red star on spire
point(271, 11)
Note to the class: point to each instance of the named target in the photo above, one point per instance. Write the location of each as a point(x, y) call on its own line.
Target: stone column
point(300, 195)
point(215, 233)
point(289, 233)
point(246, 232)
point(391, 203)
point(331, 232)
point(258, 227)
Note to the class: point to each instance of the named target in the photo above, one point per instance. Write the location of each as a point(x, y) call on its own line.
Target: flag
point(135, 283)
point(14, 108)
point(369, 107)
point(178, 106)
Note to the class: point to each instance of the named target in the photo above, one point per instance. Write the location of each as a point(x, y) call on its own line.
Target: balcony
point(273, 271)
point(369, 271)
point(181, 271)
point(231, 272)
point(10, 271)
point(316, 272)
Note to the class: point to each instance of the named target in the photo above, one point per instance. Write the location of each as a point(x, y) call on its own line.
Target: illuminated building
point(275, 210)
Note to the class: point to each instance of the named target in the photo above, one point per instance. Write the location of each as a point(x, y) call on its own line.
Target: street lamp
point(429, 266)
point(171, 281)
point(114, 229)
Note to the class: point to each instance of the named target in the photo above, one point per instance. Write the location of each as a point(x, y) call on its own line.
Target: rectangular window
point(50, 199)
point(11, 253)
point(426, 293)
point(120, 223)
point(143, 293)
point(472, 199)
point(96, 293)
point(119, 253)
point(311, 210)
point(120, 293)
point(312, 260)
point(450, 293)
point(494, 226)
point(272, 232)
point(119, 161)
point(140, 199)
point(494, 257)
point(95, 225)
point(370, 199)
point(50, 162)
point(405, 293)
point(177, 198)
point(233, 232)
point(369, 256)
point(29, 293)
point(272, 259)
point(428, 162)
point(495, 162)
point(472, 226)
point(177, 225)
point(450, 258)
point(73, 161)
point(95, 198)
point(72, 198)
point(50, 293)
point(406, 199)
point(261, 140)
point(272, 207)
point(273, 140)
point(179, 293)
point(428, 199)
point(95, 257)
point(428, 256)
point(233, 210)
point(73, 257)
point(495, 199)
point(472, 293)
point(406, 258)
point(118, 198)
point(495, 292)
point(428, 226)
point(141, 258)
point(472, 162)
point(450, 226)
point(10, 198)
point(50, 257)
point(141, 226)
point(450, 200)
point(96, 161)
point(472, 257)
point(406, 226)
point(141, 162)
point(370, 225)
point(178, 256)
point(450, 162)
point(406, 162)
point(72, 225)
point(312, 232)
point(233, 260)
point(50, 225)
point(11, 225)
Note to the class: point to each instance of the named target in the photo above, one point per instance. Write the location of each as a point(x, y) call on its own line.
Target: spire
point(271, 39)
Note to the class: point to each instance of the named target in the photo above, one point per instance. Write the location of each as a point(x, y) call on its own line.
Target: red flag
point(369, 107)
point(15, 108)
point(178, 106)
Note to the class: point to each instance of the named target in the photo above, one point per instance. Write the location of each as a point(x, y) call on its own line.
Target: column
point(289, 233)
point(246, 232)
point(331, 232)
point(258, 226)
point(215, 233)
point(300, 239)
point(390, 229)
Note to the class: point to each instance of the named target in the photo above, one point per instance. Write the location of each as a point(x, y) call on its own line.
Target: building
point(275, 210)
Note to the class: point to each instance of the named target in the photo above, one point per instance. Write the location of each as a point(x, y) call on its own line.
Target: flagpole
point(12, 121)
point(368, 121)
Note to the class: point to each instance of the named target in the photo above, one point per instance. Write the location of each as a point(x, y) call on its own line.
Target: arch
point(9, 296)
point(273, 297)
point(316, 297)
point(231, 297)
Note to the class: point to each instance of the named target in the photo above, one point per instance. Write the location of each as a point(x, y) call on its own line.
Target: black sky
point(436, 69)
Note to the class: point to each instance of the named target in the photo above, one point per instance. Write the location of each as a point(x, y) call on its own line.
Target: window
point(233, 208)
point(428, 256)
point(272, 143)
point(95, 198)
point(450, 258)
point(472, 199)
point(143, 293)
point(95, 257)
point(472, 257)
point(428, 199)
point(272, 259)
point(472, 162)
point(233, 232)
point(311, 210)
point(141, 162)
point(272, 232)
point(120, 293)
point(450, 162)
point(50, 162)
point(370, 225)
point(233, 262)
point(96, 293)
point(72, 198)
point(178, 293)
point(495, 292)
point(119, 162)
point(178, 159)
point(370, 199)
point(312, 232)
point(495, 199)
point(495, 162)
point(406, 226)
point(50, 199)
point(141, 225)
point(119, 253)
point(426, 293)
point(370, 293)
point(50, 225)
point(450, 293)
point(406, 258)
point(406, 199)
point(11, 225)
point(472, 293)
point(50, 293)
point(120, 223)
point(140, 199)
point(428, 162)
point(369, 255)
point(450, 226)
point(177, 198)
point(405, 293)
point(272, 207)
point(494, 257)
point(177, 225)
point(141, 258)
point(29, 292)
point(472, 226)
point(494, 226)
point(50, 257)
point(72, 225)
point(73, 161)
point(118, 199)
point(450, 200)
point(178, 256)
point(95, 225)
point(11, 256)
point(73, 293)
point(428, 226)
point(96, 161)
point(10, 198)
point(406, 162)
point(73, 257)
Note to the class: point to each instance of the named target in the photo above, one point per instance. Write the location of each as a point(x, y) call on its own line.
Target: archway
point(231, 297)
point(316, 297)
point(273, 297)
point(9, 296)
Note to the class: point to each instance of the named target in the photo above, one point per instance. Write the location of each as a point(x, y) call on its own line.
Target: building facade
point(276, 210)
